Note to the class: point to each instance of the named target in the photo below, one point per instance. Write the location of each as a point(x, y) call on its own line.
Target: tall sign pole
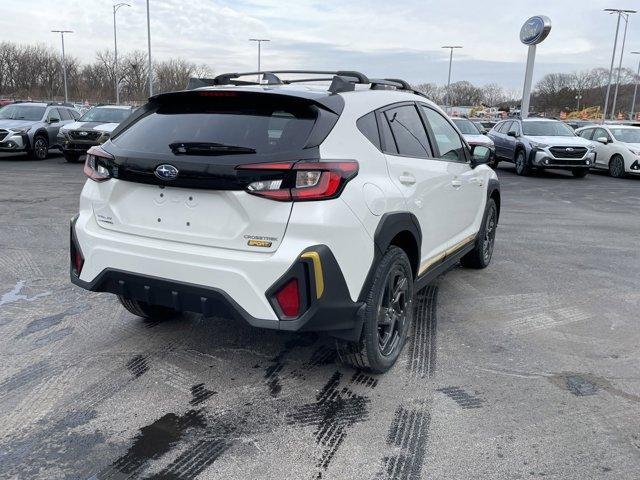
point(533, 32)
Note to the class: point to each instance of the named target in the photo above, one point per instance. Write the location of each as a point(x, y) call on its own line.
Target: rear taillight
point(302, 181)
point(288, 298)
point(96, 165)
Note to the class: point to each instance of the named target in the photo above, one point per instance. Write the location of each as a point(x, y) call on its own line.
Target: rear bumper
point(244, 287)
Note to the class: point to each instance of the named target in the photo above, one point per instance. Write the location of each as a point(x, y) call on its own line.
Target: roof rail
point(341, 80)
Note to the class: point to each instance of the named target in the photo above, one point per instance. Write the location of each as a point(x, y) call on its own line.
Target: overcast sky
point(393, 38)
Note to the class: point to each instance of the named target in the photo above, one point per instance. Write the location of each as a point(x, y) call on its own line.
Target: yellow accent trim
point(317, 271)
point(441, 256)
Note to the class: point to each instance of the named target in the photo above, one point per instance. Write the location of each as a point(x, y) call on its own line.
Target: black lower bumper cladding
point(334, 312)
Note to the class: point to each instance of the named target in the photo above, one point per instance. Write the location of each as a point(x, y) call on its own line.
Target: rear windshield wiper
point(207, 148)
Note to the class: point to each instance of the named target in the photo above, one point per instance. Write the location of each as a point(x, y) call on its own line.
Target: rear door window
point(408, 131)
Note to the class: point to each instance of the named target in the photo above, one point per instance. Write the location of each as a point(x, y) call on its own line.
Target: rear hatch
point(204, 136)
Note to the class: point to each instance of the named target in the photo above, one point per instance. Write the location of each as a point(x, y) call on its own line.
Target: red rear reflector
point(287, 298)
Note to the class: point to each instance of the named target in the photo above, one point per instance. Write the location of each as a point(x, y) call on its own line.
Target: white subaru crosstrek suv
point(290, 206)
point(617, 148)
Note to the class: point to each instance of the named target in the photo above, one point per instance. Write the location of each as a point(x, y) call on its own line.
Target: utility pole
point(259, 42)
point(116, 7)
point(615, 92)
point(635, 89)
point(64, 63)
point(613, 55)
point(149, 52)
point(448, 93)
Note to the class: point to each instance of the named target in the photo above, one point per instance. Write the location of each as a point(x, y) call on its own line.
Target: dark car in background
point(93, 128)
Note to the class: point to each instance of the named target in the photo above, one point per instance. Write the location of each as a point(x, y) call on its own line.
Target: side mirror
point(512, 133)
point(603, 140)
point(480, 155)
point(54, 120)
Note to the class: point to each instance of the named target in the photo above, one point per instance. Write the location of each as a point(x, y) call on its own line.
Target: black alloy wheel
point(392, 311)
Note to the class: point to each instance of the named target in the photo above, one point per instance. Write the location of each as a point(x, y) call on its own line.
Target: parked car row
point(34, 128)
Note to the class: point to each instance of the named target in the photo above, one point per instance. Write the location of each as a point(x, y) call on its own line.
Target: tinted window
point(22, 112)
point(75, 114)
point(387, 137)
point(547, 129)
point(369, 128)
point(601, 132)
point(626, 135)
point(65, 114)
point(408, 131)
point(106, 115)
point(53, 114)
point(504, 127)
point(586, 133)
point(466, 126)
point(447, 139)
point(254, 124)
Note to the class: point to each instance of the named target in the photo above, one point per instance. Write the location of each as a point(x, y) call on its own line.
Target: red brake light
point(287, 298)
point(302, 181)
point(95, 165)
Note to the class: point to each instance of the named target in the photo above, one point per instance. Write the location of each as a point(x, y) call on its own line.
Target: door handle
point(456, 183)
point(407, 179)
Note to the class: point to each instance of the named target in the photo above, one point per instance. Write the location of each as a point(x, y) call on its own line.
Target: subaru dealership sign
point(535, 30)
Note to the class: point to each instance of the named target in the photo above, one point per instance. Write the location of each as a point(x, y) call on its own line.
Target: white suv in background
point(617, 148)
point(290, 206)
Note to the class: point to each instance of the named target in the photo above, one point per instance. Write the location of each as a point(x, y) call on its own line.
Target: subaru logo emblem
point(569, 149)
point(84, 134)
point(166, 172)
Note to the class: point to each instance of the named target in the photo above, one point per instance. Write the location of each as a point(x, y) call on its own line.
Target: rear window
point(247, 124)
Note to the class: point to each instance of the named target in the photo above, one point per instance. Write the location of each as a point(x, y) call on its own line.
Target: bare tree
point(493, 94)
point(432, 91)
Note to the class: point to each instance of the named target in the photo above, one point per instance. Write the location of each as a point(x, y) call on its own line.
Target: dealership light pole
point(635, 89)
point(448, 93)
point(578, 98)
point(259, 42)
point(624, 39)
point(64, 64)
point(613, 55)
point(116, 7)
point(149, 52)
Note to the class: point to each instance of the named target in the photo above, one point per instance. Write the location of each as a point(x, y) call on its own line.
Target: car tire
point(580, 172)
point(616, 166)
point(480, 256)
point(522, 165)
point(40, 149)
point(71, 157)
point(388, 314)
point(144, 310)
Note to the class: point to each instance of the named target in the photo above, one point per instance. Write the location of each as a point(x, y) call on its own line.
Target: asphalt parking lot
point(528, 369)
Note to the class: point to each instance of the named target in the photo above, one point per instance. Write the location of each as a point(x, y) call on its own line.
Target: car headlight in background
point(592, 146)
point(20, 130)
point(538, 145)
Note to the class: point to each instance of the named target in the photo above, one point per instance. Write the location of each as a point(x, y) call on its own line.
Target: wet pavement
point(527, 369)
